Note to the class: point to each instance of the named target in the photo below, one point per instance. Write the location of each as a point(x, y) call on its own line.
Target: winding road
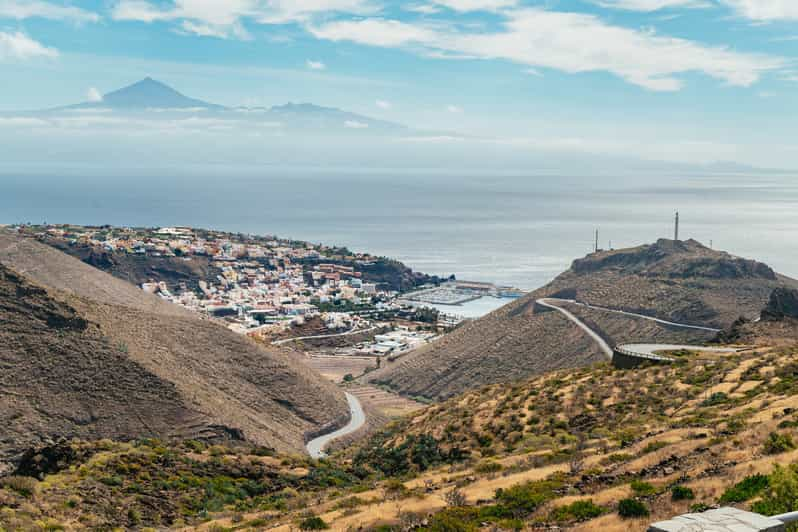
point(648, 351)
point(632, 314)
point(357, 418)
point(551, 303)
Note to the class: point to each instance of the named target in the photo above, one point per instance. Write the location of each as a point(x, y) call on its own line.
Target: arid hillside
point(591, 448)
point(568, 448)
point(87, 355)
point(683, 281)
point(61, 376)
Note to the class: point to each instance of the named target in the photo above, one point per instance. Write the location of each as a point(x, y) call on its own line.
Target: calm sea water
point(518, 230)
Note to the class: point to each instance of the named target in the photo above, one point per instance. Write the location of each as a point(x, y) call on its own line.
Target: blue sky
point(682, 80)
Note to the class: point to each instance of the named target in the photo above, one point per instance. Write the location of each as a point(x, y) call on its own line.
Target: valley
point(251, 434)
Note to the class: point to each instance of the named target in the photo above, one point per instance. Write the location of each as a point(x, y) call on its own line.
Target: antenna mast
point(595, 248)
point(676, 229)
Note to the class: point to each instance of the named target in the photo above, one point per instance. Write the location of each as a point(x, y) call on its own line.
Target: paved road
point(650, 351)
point(552, 304)
point(642, 350)
point(633, 314)
point(357, 419)
point(347, 333)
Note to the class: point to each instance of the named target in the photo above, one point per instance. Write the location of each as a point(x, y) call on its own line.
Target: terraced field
point(386, 403)
point(336, 367)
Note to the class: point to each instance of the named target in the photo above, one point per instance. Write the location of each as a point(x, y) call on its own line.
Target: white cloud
point(424, 9)
point(23, 9)
point(224, 18)
point(651, 5)
point(570, 42)
point(476, 5)
point(375, 32)
point(354, 124)
point(764, 10)
point(454, 109)
point(20, 46)
point(315, 65)
point(234, 30)
point(383, 104)
point(93, 95)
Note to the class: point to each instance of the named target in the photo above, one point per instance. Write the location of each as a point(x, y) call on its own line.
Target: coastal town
point(276, 289)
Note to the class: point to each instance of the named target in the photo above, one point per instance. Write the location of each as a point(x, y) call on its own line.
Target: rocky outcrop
point(783, 303)
point(675, 259)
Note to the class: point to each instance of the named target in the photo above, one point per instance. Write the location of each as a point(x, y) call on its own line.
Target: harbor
point(460, 300)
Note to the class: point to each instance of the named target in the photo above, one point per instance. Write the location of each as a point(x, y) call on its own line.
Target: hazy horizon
point(498, 83)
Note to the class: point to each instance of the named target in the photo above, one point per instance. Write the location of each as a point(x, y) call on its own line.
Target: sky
point(693, 81)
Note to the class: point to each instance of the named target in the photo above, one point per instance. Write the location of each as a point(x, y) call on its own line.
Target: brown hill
point(677, 438)
point(84, 354)
point(682, 281)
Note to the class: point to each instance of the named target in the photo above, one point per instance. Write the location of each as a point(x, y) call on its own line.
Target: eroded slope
point(260, 394)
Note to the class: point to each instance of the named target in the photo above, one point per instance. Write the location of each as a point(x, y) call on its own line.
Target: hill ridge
point(683, 282)
point(263, 394)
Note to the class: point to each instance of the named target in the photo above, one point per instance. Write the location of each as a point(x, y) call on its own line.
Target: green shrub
point(134, 516)
point(641, 487)
point(260, 450)
point(682, 493)
point(746, 489)
point(194, 445)
point(523, 499)
point(619, 457)
point(781, 494)
point(576, 511)
point(632, 508)
point(715, 399)
point(654, 446)
point(313, 523)
point(114, 480)
point(417, 453)
point(454, 520)
point(778, 443)
point(488, 467)
point(699, 507)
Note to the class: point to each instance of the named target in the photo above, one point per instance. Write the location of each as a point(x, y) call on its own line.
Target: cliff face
point(138, 269)
point(683, 282)
point(84, 354)
point(783, 303)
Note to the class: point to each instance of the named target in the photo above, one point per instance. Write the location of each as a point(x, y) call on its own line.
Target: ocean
point(511, 229)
